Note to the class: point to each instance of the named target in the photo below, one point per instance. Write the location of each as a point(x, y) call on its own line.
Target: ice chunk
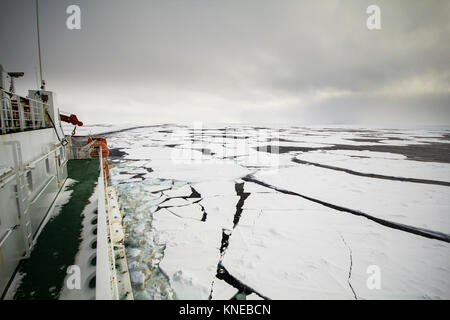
point(309, 253)
point(222, 290)
point(175, 202)
point(220, 210)
point(382, 165)
point(133, 253)
point(193, 211)
point(251, 187)
point(157, 188)
point(191, 255)
point(419, 205)
point(137, 278)
point(184, 191)
point(253, 296)
point(215, 188)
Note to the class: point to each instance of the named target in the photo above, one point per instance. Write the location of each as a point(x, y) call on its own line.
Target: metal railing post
point(42, 113)
point(33, 116)
point(9, 115)
point(3, 113)
point(21, 114)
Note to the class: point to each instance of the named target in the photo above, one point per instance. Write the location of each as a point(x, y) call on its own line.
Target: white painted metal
point(22, 199)
point(33, 170)
point(33, 167)
point(105, 290)
point(21, 113)
point(113, 279)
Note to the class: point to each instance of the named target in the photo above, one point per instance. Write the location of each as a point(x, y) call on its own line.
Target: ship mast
point(39, 45)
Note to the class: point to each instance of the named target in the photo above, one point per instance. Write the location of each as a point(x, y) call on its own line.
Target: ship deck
point(41, 276)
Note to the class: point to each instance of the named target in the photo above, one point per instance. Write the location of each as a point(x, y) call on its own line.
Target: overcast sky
point(302, 62)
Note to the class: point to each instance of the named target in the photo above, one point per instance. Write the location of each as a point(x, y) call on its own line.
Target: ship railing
point(79, 153)
point(20, 113)
point(79, 148)
point(113, 278)
point(106, 279)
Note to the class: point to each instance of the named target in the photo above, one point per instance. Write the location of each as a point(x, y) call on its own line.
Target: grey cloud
point(239, 61)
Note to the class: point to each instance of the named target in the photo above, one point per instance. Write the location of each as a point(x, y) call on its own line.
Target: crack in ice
point(394, 225)
point(351, 266)
point(372, 175)
point(222, 273)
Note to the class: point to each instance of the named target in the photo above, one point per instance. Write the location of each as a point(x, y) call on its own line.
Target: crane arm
point(72, 119)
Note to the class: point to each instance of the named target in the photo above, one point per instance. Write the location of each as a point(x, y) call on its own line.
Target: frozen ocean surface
point(284, 212)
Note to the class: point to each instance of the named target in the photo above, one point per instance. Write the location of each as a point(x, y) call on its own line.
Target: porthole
point(92, 283)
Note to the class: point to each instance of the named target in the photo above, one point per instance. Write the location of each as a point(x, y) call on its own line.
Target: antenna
point(39, 44)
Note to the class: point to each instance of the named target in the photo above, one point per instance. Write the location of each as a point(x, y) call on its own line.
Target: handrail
point(15, 94)
point(19, 113)
point(31, 164)
point(10, 175)
point(6, 236)
point(37, 196)
point(105, 285)
point(7, 177)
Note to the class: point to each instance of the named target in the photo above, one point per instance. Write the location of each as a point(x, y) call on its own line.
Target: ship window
point(30, 181)
point(47, 165)
point(58, 161)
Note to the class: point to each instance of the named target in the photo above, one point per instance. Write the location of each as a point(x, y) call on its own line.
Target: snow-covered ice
point(285, 212)
point(419, 205)
point(381, 164)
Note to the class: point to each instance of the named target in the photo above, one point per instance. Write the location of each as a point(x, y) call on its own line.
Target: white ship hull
point(34, 156)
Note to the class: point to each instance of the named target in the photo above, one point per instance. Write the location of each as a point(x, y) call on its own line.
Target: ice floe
point(193, 211)
point(191, 254)
point(184, 191)
point(175, 202)
point(310, 253)
point(222, 290)
point(270, 227)
point(414, 204)
point(382, 165)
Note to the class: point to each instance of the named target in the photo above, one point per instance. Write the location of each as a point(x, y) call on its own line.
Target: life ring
point(95, 148)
